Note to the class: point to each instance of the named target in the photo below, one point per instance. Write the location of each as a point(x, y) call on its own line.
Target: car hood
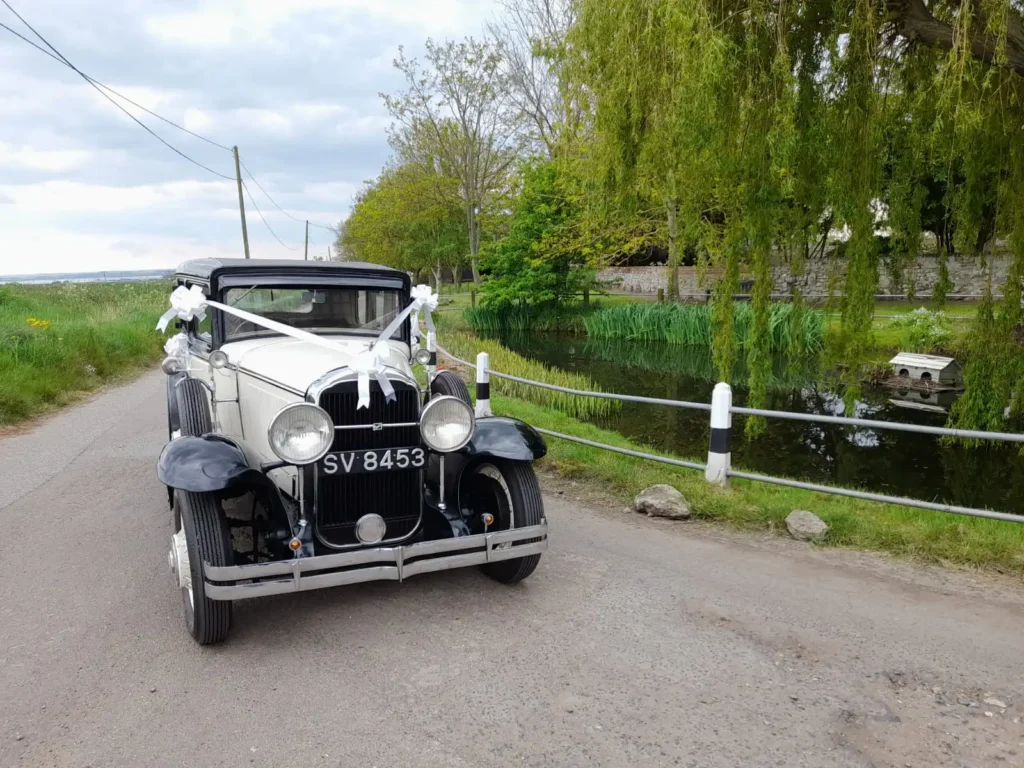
point(297, 364)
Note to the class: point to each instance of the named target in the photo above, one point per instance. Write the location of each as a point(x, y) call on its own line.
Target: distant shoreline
point(108, 276)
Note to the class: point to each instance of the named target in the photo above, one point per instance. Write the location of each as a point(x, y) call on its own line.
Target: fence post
point(483, 385)
point(432, 363)
point(719, 454)
point(472, 298)
point(586, 295)
point(661, 295)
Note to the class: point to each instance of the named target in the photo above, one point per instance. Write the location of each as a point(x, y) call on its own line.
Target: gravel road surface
point(636, 642)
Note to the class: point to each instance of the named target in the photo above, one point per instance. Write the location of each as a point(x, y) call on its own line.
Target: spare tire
point(449, 383)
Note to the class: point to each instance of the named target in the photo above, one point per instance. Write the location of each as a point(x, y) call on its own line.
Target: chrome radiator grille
point(394, 495)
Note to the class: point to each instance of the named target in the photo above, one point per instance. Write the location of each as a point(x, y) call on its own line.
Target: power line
point(115, 92)
point(282, 210)
point(282, 242)
point(105, 95)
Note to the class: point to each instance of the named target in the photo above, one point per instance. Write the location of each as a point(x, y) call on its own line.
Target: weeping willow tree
point(759, 127)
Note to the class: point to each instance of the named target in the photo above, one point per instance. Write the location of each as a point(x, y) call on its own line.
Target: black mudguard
point(209, 464)
point(503, 438)
point(496, 437)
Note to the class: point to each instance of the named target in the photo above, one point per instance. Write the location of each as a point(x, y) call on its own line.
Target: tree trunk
point(457, 278)
point(474, 244)
point(674, 251)
point(914, 21)
point(437, 277)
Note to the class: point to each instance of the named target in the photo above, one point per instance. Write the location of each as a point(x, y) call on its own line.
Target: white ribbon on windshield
point(190, 303)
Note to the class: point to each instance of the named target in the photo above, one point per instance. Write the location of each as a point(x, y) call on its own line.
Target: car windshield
point(362, 311)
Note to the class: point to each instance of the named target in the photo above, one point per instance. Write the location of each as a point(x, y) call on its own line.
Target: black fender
point(497, 437)
point(216, 464)
point(500, 437)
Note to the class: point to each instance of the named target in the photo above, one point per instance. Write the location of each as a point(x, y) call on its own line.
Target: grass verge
point(933, 537)
point(60, 341)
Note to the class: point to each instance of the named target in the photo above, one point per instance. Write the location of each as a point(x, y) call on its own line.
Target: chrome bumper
point(381, 564)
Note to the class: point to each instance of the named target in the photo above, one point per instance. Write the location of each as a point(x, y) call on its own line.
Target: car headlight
point(446, 424)
point(301, 433)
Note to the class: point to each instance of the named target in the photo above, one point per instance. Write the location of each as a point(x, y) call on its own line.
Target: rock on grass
point(662, 501)
point(806, 526)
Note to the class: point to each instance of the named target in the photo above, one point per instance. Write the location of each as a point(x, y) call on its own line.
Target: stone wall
point(966, 272)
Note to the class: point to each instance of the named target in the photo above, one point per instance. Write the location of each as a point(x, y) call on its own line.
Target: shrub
point(922, 330)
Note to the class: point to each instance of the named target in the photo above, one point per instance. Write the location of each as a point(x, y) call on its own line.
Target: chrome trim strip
point(375, 427)
point(382, 564)
point(345, 373)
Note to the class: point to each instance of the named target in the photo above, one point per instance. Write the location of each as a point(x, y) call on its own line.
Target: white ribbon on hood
point(190, 303)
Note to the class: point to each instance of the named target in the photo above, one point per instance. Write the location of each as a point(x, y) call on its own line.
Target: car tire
point(450, 384)
point(518, 503)
point(193, 408)
point(208, 539)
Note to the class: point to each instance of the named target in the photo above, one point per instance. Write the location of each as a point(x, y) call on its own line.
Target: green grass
point(933, 537)
point(691, 325)
point(58, 342)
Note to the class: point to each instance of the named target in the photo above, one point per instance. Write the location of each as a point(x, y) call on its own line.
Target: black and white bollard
point(719, 455)
point(483, 385)
point(432, 349)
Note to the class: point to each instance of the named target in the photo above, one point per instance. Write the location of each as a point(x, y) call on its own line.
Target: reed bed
point(691, 325)
point(489, 320)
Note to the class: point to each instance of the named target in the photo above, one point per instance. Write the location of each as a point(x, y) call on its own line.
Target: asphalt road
point(636, 642)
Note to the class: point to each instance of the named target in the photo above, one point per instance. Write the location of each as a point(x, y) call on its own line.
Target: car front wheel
point(508, 490)
point(201, 535)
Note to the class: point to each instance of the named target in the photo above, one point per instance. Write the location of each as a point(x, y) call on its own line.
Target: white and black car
point(284, 395)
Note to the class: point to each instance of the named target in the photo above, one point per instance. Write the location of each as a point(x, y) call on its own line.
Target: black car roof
point(208, 270)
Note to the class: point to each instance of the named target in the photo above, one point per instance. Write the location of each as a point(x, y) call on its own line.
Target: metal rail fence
point(718, 468)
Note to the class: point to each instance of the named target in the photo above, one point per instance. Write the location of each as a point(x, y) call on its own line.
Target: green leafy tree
point(538, 262)
point(759, 127)
point(404, 219)
point(455, 115)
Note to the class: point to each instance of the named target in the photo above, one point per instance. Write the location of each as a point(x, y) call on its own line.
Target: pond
point(896, 463)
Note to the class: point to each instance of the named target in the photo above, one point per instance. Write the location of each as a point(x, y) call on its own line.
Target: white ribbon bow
point(190, 303)
point(177, 345)
point(186, 304)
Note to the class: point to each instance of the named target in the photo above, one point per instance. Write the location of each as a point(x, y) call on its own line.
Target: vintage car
point(304, 453)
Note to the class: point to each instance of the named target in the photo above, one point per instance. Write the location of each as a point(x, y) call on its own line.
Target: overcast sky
point(293, 83)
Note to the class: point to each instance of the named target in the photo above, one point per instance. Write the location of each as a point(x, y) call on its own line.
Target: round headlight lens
point(446, 424)
point(301, 433)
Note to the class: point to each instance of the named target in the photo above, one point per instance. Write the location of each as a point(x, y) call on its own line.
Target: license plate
point(381, 460)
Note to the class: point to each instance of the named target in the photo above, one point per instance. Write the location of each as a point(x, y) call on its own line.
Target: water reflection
point(899, 463)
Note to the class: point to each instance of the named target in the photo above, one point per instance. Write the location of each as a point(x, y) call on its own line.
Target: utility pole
point(306, 256)
point(241, 203)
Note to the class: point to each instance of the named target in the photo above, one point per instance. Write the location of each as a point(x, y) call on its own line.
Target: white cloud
point(53, 198)
point(293, 83)
point(70, 252)
point(221, 23)
point(49, 160)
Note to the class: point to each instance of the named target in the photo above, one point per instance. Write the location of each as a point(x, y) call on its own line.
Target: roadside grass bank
point(932, 537)
point(59, 342)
